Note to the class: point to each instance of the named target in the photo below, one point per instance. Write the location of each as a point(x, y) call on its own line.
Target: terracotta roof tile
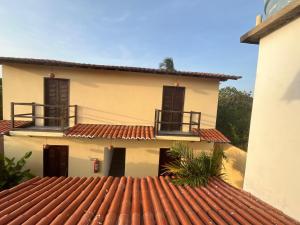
point(111, 131)
point(133, 132)
point(212, 135)
point(124, 201)
point(116, 131)
point(49, 62)
point(5, 125)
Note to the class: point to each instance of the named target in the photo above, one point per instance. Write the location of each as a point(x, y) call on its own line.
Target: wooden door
point(173, 101)
point(56, 160)
point(56, 94)
point(164, 159)
point(117, 167)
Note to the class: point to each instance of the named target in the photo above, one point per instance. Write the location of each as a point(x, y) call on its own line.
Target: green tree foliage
point(194, 170)
point(234, 114)
point(167, 64)
point(12, 173)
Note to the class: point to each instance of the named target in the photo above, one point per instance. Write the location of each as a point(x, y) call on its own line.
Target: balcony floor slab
point(38, 131)
point(177, 138)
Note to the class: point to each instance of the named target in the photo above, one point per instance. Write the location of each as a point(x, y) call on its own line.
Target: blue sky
point(199, 35)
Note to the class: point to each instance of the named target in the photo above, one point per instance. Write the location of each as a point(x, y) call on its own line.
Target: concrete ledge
point(36, 133)
point(178, 138)
point(274, 22)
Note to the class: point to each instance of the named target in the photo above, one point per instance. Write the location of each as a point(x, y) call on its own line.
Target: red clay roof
point(132, 132)
point(49, 62)
point(213, 135)
point(111, 131)
point(151, 200)
point(5, 125)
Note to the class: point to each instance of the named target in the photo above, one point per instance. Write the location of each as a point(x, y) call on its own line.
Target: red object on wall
point(96, 166)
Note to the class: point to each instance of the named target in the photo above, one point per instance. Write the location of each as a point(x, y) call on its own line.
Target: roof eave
point(274, 22)
point(46, 62)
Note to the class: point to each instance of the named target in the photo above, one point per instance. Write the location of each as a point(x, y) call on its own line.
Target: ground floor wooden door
point(56, 160)
point(117, 166)
point(164, 159)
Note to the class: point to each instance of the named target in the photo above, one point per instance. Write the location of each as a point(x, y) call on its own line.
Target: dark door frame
point(44, 157)
point(161, 162)
point(68, 103)
point(123, 167)
point(172, 126)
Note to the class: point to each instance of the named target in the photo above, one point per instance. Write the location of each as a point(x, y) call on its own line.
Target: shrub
point(12, 173)
point(189, 169)
point(234, 114)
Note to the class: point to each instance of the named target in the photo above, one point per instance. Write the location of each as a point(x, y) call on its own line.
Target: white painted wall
point(273, 163)
point(108, 154)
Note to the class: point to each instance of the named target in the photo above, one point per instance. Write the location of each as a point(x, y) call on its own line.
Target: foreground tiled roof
point(48, 62)
point(213, 135)
point(111, 131)
point(5, 125)
point(133, 132)
point(135, 201)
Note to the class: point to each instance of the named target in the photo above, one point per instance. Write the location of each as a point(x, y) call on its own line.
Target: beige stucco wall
point(234, 165)
point(142, 157)
point(272, 170)
point(109, 96)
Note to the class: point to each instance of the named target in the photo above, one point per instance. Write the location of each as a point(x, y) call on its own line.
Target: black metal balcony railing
point(60, 121)
point(182, 123)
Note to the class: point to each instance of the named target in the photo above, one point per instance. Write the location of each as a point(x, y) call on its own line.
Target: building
point(91, 120)
point(272, 169)
point(124, 201)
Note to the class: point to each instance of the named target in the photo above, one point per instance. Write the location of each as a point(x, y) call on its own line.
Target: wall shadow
point(293, 91)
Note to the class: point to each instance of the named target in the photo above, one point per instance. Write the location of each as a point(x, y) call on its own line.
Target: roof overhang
point(109, 131)
point(274, 22)
point(134, 132)
point(56, 63)
point(5, 125)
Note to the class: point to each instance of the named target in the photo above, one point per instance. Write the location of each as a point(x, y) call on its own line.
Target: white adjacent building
point(273, 163)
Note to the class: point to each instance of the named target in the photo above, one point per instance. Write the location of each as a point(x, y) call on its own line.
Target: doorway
point(164, 159)
point(56, 93)
point(56, 160)
point(117, 166)
point(172, 108)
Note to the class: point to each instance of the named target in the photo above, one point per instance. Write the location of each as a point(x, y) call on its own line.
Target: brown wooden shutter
point(56, 93)
point(173, 100)
point(56, 160)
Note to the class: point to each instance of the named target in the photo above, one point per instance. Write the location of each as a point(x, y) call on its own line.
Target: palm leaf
point(192, 170)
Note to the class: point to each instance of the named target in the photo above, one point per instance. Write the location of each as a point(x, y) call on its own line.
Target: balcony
point(43, 117)
point(176, 123)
